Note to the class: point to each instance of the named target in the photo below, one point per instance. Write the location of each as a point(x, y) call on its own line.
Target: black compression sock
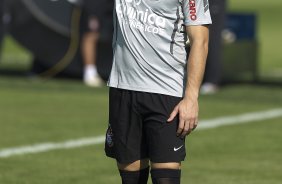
point(165, 176)
point(135, 177)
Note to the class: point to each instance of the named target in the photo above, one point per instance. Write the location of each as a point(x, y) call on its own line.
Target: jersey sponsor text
point(192, 10)
point(142, 20)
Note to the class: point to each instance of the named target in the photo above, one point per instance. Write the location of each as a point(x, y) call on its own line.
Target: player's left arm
point(188, 108)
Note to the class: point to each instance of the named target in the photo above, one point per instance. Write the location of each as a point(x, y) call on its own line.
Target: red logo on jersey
point(193, 10)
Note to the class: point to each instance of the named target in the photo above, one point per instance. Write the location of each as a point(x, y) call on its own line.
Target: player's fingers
point(189, 127)
point(196, 123)
point(173, 114)
point(192, 124)
point(180, 127)
point(195, 126)
point(186, 129)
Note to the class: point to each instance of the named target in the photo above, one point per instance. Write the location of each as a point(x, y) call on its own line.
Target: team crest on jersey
point(109, 137)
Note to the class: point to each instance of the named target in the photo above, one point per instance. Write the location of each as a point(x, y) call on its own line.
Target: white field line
point(240, 119)
point(205, 124)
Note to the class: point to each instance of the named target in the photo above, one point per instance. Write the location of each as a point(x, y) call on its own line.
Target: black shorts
point(138, 128)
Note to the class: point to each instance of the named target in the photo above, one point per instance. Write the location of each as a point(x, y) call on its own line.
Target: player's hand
point(187, 110)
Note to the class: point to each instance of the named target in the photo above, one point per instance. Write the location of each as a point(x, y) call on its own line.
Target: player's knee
point(135, 166)
point(135, 177)
point(166, 176)
point(166, 173)
point(171, 165)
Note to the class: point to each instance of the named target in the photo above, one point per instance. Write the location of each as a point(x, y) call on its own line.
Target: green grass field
point(33, 111)
point(37, 112)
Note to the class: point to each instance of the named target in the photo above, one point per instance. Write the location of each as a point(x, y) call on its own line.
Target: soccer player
point(93, 12)
point(154, 86)
point(213, 72)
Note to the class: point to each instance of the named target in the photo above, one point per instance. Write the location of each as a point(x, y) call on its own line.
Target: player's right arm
point(188, 108)
point(197, 18)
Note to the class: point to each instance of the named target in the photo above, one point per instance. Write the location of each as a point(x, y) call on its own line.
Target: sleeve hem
point(198, 23)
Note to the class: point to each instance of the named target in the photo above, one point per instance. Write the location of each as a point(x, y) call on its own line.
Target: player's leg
point(166, 149)
point(166, 173)
point(134, 166)
point(213, 72)
point(89, 43)
point(125, 141)
point(134, 173)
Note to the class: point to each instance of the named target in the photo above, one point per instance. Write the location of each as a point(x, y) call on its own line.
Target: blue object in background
point(242, 25)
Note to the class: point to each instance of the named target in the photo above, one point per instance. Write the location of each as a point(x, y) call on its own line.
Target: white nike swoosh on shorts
point(176, 149)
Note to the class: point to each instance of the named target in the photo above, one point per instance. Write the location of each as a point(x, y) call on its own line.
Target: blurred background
point(55, 56)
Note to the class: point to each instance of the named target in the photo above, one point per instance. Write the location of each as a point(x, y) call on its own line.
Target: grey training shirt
point(149, 43)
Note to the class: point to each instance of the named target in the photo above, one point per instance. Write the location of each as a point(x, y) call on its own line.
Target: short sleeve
point(196, 12)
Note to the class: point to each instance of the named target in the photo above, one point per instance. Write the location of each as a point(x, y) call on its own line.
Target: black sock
point(165, 176)
point(135, 177)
